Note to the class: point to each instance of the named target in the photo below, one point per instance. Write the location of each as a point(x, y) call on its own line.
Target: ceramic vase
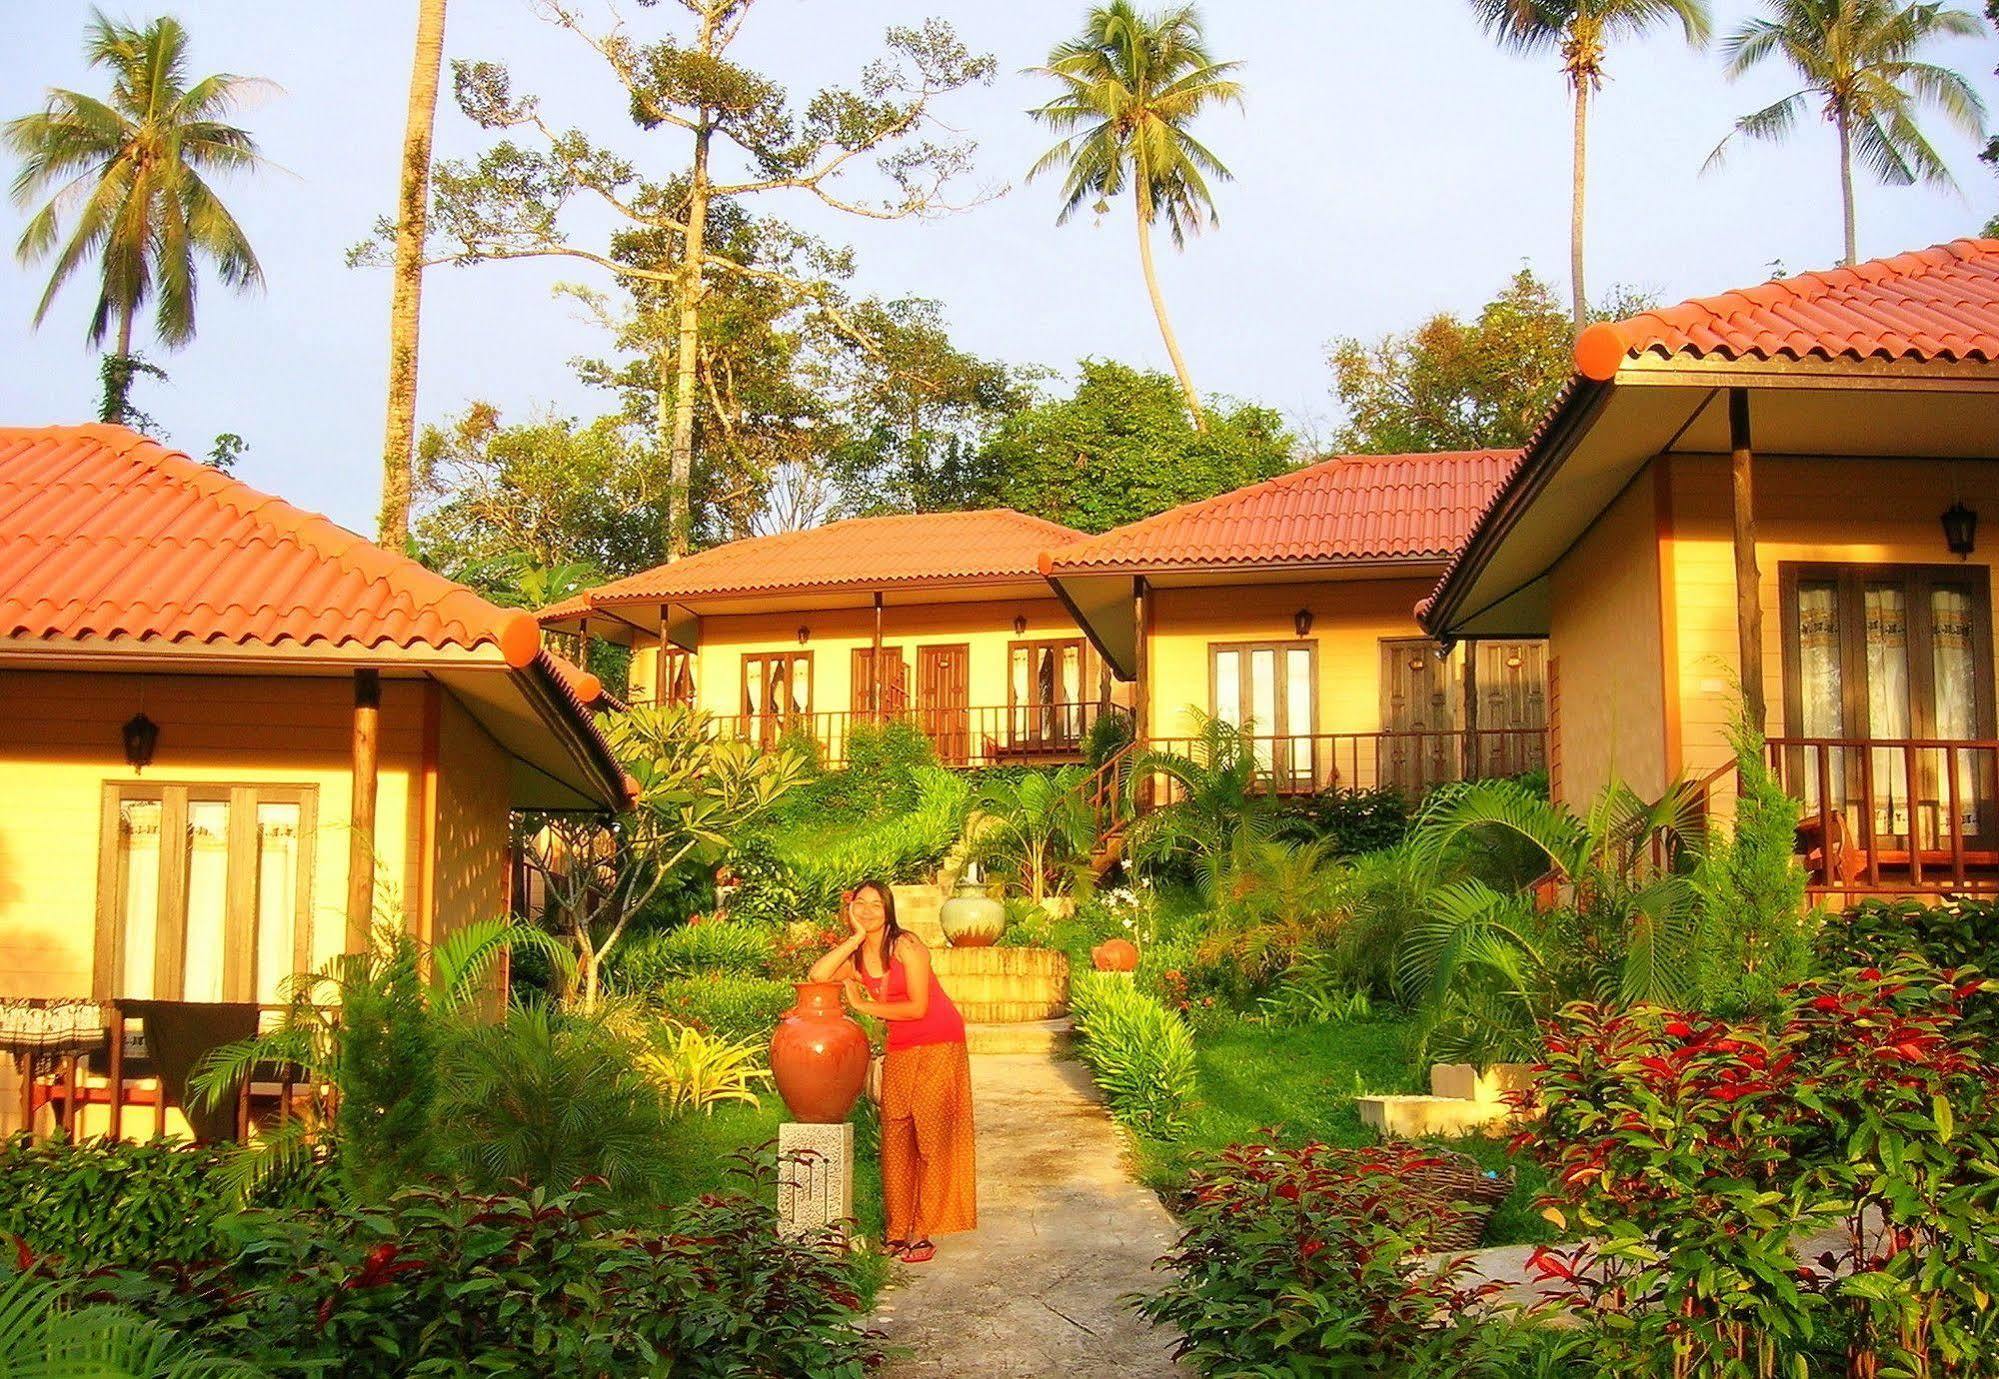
point(1115, 955)
point(819, 1057)
point(971, 918)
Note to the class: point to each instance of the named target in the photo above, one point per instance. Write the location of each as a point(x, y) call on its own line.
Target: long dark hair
point(891, 931)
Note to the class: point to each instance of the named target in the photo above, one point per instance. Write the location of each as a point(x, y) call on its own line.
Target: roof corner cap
point(519, 638)
point(1600, 352)
point(1045, 563)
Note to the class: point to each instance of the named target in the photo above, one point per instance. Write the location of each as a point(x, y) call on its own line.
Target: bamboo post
point(25, 1061)
point(70, 1086)
point(1748, 580)
point(361, 836)
point(1471, 709)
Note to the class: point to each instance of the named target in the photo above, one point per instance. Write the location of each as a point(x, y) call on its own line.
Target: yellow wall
point(1350, 619)
point(1603, 637)
point(1859, 511)
point(473, 784)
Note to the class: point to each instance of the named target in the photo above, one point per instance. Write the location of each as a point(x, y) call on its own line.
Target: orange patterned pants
point(929, 1177)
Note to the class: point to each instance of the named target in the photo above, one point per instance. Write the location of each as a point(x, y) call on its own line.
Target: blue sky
point(1391, 162)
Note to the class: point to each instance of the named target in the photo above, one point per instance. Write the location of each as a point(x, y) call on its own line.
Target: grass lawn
point(701, 1158)
point(1301, 1081)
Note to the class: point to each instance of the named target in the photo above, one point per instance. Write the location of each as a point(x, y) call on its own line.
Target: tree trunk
point(1578, 183)
point(405, 304)
point(1846, 187)
point(116, 403)
point(680, 476)
point(1159, 304)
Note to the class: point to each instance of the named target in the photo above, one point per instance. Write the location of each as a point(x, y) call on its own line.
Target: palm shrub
point(1613, 918)
point(1219, 791)
point(1140, 1053)
point(1036, 826)
point(45, 1334)
point(1276, 904)
point(695, 1070)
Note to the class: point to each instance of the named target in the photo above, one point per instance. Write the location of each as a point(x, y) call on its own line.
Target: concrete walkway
point(1063, 1234)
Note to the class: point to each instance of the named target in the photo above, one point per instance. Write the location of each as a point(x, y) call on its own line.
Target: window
point(1274, 687)
point(1045, 695)
point(777, 688)
point(675, 684)
point(204, 891)
point(1883, 652)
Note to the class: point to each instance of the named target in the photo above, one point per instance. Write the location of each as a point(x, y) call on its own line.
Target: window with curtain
point(1045, 692)
point(777, 688)
point(1880, 653)
point(1274, 687)
point(205, 891)
point(676, 676)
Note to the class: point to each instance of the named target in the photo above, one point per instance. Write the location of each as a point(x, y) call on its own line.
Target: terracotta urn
point(819, 1057)
point(971, 918)
point(1115, 955)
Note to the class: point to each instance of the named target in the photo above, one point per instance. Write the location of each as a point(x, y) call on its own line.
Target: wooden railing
point(1894, 816)
point(980, 735)
point(1412, 762)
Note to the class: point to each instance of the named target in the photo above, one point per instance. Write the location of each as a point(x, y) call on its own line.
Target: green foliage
point(1123, 447)
point(1950, 935)
point(1036, 827)
point(1140, 1053)
point(44, 1334)
point(730, 946)
point(1216, 792)
point(1352, 822)
point(695, 1070)
point(736, 1008)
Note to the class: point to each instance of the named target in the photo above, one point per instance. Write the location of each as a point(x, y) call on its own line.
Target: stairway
point(916, 910)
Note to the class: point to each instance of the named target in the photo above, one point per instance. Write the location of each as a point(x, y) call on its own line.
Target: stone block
point(815, 1178)
point(1467, 1082)
point(1412, 1117)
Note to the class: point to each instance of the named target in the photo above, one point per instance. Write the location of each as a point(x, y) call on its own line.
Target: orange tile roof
point(1940, 303)
point(936, 548)
point(107, 535)
point(1357, 508)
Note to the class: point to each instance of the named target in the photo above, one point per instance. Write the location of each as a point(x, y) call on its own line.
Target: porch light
point(141, 736)
point(1020, 624)
point(804, 635)
point(1960, 529)
point(1302, 620)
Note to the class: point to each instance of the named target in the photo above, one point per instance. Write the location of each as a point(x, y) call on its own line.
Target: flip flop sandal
point(894, 1247)
point(919, 1252)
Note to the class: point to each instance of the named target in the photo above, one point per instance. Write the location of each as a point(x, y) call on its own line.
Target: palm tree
point(1220, 797)
point(1132, 86)
point(1582, 30)
point(405, 306)
point(125, 183)
point(1037, 825)
point(1858, 58)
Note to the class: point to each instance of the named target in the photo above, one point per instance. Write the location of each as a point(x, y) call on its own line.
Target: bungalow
point(1286, 605)
point(1775, 489)
point(941, 619)
point(235, 737)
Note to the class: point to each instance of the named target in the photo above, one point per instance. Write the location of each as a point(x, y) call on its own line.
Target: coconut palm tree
point(1857, 58)
point(125, 179)
point(1132, 86)
point(1220, 796)
point(405, 304)
point(1582, 31)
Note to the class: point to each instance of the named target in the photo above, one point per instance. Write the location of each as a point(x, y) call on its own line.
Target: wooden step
point(1051, 1037)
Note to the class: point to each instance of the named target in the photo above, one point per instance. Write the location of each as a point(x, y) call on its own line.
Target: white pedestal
point(815, 1178)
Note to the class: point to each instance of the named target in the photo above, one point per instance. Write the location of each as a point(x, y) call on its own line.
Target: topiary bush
point(1141, 1053)
point(730, 1005)
point(714, 946)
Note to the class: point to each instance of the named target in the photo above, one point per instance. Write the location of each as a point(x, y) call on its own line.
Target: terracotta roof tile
point(1349, 508)
point(105, 534)
point(1940, 304)
point(860, 553)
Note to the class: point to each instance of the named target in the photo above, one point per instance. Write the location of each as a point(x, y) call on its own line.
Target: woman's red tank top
point(941, 1022)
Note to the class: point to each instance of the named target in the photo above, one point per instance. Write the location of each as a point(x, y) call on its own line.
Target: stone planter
point(971, 918)
point(1115, 955)
point(819, 1057)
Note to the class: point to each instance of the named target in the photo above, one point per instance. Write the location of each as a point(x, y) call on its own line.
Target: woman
point(928, 1174)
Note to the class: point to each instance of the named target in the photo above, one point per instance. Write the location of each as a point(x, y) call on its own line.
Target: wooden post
point(71, 1084)
point(1141, 706)
point(875, 664)
point(25, 1061)
point(1471, 709)
point(361, 835)
point(115, 1071)
point(1748, 581)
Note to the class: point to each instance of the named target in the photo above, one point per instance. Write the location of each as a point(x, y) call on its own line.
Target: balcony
point(1894, 816)
point(1412, 762)
point(976, 736)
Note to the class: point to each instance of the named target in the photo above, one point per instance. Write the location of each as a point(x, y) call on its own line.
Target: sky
point(1391, 162)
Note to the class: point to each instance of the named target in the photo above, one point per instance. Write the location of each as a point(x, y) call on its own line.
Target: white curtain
point(1020, 675)
point(1263, 701)
point(1954, 669)
point(1888, 702)
point(207, 899)
point(139, 894)
point(1228, 686)
point(1298, 690)
point(1821, 687)
point(277, 897)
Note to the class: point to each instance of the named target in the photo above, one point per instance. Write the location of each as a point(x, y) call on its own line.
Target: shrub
point(1306, 1261)
point(698, 1071)
point(1952, 935)
point(1351, 822)
point(713, 946)
point(437, 1281)
point(1139, 1051)
point(45, 1332)
point(729, 1007)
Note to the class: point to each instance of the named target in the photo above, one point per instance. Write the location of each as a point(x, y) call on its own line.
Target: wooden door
point(894, 682)
point(943, 702)
point(1418, 715)
point(1511, 680)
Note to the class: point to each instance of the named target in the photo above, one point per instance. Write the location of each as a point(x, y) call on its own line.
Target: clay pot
point(1115, 955)
point(971, 918)
point(819, 1057)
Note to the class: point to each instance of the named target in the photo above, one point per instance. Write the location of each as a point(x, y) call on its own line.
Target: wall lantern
point(1302, 620)
point(1020, 624)
point(804, 635)
point(141, 735)
point(1960, 529)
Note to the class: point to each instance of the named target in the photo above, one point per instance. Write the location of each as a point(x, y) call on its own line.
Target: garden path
point(1063, 1234)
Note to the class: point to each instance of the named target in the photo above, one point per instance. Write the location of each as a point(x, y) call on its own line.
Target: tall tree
point(406, 303)
point(1857, 57)
point(1582, 32)
point(1132, 86)
point(126, 180)
point(741, 140)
